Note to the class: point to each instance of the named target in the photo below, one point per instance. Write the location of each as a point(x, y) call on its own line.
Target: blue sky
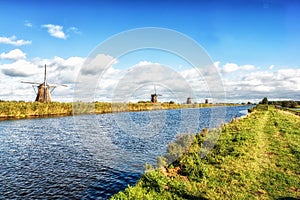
point(262, 33)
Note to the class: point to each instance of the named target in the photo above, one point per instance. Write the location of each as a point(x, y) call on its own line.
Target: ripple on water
point(49, 159)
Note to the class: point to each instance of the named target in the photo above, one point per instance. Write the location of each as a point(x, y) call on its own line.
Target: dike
point(256, 157)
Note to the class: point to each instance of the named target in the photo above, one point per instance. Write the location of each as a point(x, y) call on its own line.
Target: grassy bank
point(291, 110)
point(257, 157)
point(14, 109)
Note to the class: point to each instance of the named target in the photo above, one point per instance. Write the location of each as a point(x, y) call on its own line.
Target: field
point(256, 157)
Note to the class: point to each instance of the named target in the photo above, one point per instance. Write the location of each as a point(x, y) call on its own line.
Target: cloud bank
point(253, 84)
point(242, 83)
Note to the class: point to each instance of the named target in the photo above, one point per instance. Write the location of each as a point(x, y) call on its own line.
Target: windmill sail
point(43, 92)
point(154, 96)
point(45, 86)
point(33, 83)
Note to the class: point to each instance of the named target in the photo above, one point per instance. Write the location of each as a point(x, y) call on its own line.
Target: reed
point(21, 109)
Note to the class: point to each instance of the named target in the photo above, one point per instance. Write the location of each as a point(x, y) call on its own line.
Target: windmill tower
point(189, 100)
point(44, 89)
point(154, 96)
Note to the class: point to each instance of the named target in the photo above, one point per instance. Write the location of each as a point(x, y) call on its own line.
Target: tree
point(285, 104)
point(293, 104)
point(265, 100)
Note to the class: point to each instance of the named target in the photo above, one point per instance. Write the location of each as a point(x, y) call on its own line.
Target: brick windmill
point(44, 89)
point(154, 96)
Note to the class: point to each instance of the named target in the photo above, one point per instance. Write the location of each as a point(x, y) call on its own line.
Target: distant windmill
point(189, 100)
point(44, 89)
point(154, 96)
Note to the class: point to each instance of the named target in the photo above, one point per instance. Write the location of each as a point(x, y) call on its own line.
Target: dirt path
point(262, 142)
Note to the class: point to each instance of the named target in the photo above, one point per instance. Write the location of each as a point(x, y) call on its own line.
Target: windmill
point(44, 89)
point(189, 100)
point(154, 96)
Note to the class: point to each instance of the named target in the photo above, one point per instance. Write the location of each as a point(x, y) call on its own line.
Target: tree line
point(285, 103)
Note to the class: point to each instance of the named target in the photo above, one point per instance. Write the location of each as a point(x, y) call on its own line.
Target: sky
point(253, 44)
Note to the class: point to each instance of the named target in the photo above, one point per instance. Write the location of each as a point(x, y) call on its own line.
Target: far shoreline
point(12, 110)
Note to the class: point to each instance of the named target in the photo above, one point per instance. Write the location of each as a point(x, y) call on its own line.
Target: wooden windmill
point(154, 96)
point(189, 100)
point(44, 89)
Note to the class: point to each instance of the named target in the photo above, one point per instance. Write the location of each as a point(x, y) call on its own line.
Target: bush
point(265, 100)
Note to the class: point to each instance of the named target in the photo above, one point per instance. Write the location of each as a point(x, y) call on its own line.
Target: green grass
point(257, 157)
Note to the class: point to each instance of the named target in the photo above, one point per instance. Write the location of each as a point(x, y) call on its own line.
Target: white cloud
point(65, 71)
point(74, 30)
point(13, 41)
point(137, 82)
point(60, 71)
point(14, 72)
point(19, 68)
point(28, 24)
point(92, 71)
point(55, 31)
point(217, 64)
point(232, 67)
point(97, 65)
point(145, 63)
point(15, 54)
point(247, 67)
point(253, 86)
point(102, 81)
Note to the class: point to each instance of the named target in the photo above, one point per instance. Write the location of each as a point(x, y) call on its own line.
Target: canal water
point(92, 156)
